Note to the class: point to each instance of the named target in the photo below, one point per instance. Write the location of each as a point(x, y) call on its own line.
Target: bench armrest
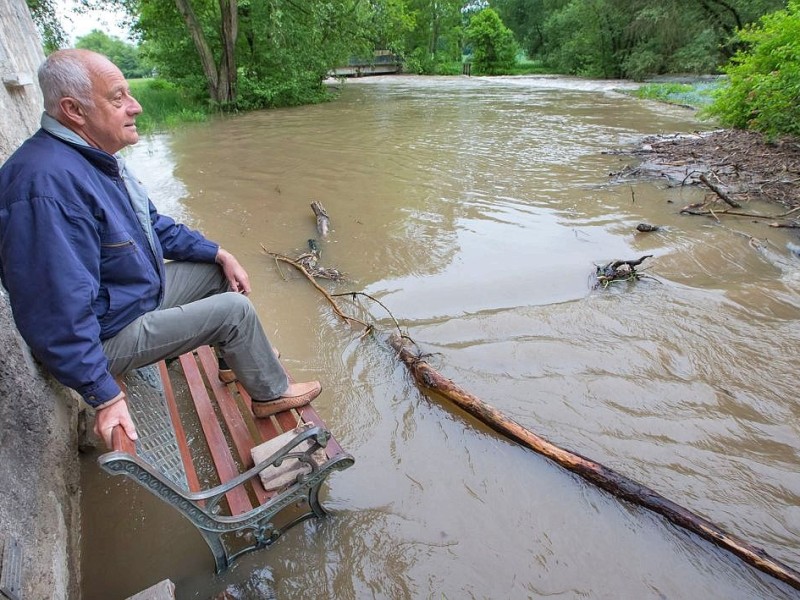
point(121, 442)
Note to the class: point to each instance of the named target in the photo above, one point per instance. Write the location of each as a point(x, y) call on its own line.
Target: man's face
point(111, 123)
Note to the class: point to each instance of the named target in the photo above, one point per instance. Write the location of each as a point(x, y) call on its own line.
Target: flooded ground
point(475, 210)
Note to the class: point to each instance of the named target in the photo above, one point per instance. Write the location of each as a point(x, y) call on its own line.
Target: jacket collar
point(111, 165)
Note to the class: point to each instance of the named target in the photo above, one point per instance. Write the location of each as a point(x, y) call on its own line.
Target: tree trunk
point(229, 32)
point(601, 476)
point(221, 80)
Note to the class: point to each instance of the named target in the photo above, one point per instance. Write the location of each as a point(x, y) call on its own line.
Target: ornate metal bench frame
point(238, 515)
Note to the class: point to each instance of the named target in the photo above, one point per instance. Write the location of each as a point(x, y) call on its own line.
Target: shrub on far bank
point(494, 49)
point(763, 92)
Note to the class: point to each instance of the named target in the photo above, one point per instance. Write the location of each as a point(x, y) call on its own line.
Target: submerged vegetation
point(696, 95)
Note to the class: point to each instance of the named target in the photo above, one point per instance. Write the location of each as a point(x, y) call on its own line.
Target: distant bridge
point(382, 62)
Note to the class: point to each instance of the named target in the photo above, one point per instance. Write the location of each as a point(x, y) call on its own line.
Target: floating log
point(720, 192)
point(323, 221)
point(600, 475)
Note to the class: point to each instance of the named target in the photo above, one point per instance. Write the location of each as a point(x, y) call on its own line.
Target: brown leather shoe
point(226, 374)
point(297, 395)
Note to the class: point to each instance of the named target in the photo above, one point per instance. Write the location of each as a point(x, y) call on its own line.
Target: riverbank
point(744, 164)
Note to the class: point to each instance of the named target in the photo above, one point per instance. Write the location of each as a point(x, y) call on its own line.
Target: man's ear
point(72, 111)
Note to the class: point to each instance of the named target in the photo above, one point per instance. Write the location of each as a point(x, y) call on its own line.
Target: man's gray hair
point(63, 74)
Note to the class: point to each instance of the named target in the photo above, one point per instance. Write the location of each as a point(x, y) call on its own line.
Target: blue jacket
point(79, 258)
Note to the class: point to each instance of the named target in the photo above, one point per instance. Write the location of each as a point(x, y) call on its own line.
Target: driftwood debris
point(310, 276)
point(596, 473)
point(619, 270)
point(593, 472)
point(720, 192)
point(323, 221)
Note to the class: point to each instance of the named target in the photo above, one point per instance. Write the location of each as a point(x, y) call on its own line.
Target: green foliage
point(284, 49)
point(420, 62)
point(630, 38)
point(434, 37)
point(494, 49)
point(122, 54)
point(697, 95)
point(763, 92)
point(44, 16)
point(530, 67)
point(164, 105)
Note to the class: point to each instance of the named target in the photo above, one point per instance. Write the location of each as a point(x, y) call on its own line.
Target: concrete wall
point(39, 474)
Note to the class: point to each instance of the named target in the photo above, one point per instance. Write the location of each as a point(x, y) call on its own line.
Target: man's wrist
point(119, 397)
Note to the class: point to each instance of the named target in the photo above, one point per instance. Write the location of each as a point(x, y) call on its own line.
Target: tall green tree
point(630, 38)
point(494, 49)
point(122, 54)
point(249, 53)
point(437, 34)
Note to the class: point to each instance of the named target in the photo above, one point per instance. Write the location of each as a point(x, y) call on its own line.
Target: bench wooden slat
point(265, 427)
point(227, 404)
point(180, 433)
point(287, 420)
point(310, 416)
point(217, 444)
point(231, 413)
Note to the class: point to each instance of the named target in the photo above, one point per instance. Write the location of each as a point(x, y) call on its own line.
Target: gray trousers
point(198, 309)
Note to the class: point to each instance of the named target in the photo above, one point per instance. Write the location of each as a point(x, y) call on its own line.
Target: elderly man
point(82, 254)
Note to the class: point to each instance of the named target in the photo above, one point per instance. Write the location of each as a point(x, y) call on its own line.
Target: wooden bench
point(223, 497)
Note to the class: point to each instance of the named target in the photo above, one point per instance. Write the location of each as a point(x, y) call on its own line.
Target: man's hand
point(115, 413)
point(237, 277)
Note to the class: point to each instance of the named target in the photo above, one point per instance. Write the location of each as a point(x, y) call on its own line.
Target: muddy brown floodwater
point(475, 210)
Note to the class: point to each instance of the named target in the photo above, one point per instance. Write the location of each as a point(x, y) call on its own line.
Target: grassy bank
point(164, 106)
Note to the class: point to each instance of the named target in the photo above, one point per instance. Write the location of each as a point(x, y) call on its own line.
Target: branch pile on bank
point(737, 166)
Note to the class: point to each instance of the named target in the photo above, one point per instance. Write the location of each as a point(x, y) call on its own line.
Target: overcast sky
point(77, 25)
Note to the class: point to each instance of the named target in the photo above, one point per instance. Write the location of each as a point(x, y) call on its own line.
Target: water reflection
point(475, 209)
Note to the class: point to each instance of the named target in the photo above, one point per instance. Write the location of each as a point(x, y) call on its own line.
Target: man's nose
point(135, 108)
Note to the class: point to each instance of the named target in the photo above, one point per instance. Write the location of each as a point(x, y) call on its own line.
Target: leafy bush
point(494, 49)
point(419, 62)
point(763, 91)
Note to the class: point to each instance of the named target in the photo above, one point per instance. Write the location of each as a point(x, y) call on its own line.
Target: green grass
point(523, 66)
point(696, 95)
point(530, 67)
point(164, 106)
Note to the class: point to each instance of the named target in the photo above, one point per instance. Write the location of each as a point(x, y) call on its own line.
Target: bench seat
point(193, 452)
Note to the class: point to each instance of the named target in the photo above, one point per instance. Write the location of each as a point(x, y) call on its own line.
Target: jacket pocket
point(125, 246)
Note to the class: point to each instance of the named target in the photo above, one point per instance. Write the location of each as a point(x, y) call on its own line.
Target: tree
point(763, 92)
point(630, 38)
point(122, 54)
point(46, 20)
point(220, 72)
point(436, 36)
point(255, 53)
point(494, 49)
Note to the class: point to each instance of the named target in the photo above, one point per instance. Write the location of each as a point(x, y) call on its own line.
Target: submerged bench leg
point(313, 501)
point(214, 541)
